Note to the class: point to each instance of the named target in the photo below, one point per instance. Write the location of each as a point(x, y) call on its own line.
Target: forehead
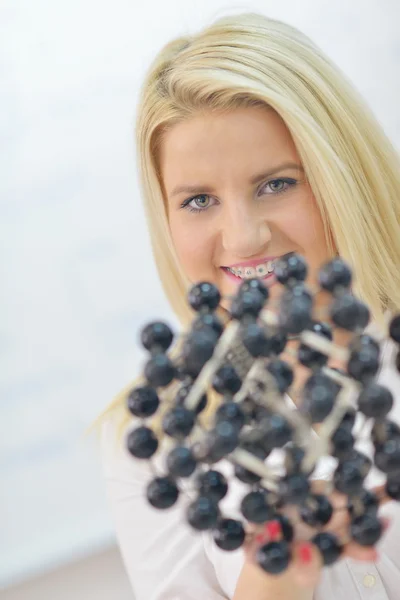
point(217, 143)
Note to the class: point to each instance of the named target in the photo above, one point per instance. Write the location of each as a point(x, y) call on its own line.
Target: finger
point(261, 535)
point(306, 564)
point(305, 561)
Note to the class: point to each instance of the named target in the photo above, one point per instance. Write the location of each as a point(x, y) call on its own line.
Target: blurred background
point(77, 275)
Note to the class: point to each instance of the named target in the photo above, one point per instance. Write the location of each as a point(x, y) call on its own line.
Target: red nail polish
point(305, 553)
point(273, 529)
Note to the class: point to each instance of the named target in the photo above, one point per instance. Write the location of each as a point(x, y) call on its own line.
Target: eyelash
point(289, 181)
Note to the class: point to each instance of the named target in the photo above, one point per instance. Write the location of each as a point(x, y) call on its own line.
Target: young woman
point(252, 144)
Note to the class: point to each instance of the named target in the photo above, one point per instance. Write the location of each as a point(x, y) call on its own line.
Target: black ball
point(364, 340)
point(295, 309)
point(366, 529)
point(309, 357)
point(208, 321)
point(221, 440)
point(363, 363)
point(349, 419)
point(229, 534)
point(142, 442)
point(274, 557)
point(387, 456)
point(247, 304)
point(319, 395)
point(226, 380)
point(212, 483)
point(290, 269)
point(329, 547)
point(317, 512)
point(181, 462)
point(178, 422)
point(162, 492)
point(249, 285)
point(204, 296)
point(143, 401)
point(241, 472)
point(276, 432)
point(375, 401)
point(255, 340)
point(182, 394)
point(156, 336)
point(232, 412)
point(286, 527)
point(203, 513)
point(323, 329)
point(255, 508)
point(335, 275)
point(197, 349)
point(348, 478)
point(250, 441)
point(295, 488)
point(342, 442)
point(394, 329)
point(159, 371)
point(277, 342)
point(349, 313)
point(362, 461)
point(282, 373)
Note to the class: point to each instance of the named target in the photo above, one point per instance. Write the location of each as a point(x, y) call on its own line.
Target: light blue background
point(77, 278)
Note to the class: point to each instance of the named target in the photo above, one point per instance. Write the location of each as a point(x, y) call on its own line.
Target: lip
point(251, 263)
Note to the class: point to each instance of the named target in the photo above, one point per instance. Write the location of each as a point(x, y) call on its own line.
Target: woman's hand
point(299, 580)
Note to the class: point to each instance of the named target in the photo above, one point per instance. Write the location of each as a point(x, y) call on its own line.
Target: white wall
point(76, 269)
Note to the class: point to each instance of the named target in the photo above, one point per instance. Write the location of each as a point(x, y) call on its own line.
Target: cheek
point(305, 227)
point(305, 230)
point(193, 246)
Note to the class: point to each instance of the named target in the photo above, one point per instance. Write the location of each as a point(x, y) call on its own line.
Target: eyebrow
point(196, 189)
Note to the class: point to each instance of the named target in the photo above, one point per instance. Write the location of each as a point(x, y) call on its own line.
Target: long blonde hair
point(352, 168)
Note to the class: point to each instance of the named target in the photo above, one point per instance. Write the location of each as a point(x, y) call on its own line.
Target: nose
point(245, 233)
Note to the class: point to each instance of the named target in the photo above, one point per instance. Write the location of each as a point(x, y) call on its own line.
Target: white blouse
point(166, 560)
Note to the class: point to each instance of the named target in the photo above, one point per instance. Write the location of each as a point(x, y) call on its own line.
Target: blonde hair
point(352, 168)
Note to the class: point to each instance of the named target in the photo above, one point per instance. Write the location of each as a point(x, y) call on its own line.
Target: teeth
point(249, 273)
point(260, 270)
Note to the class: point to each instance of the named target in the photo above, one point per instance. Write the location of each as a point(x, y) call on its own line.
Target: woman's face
point(237, 199)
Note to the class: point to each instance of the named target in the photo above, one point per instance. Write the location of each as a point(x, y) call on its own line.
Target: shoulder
point(163, 556)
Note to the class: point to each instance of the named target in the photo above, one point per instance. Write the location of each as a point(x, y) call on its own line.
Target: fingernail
point(273, 529)
point(305, 553)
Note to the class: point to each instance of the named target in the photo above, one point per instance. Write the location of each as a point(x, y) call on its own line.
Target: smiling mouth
point(260, 271)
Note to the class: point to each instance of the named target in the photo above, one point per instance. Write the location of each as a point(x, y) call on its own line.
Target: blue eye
point(201, 203)
point(287, 184)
